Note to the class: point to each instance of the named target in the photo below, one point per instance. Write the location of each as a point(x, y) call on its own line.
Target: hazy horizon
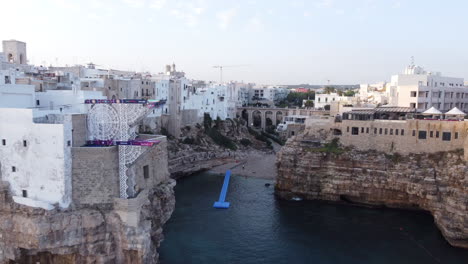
point(280, 42)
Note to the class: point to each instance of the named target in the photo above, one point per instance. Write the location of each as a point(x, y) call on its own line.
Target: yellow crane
point(220, 67)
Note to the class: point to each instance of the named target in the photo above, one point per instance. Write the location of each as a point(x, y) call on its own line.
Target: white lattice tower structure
point(118, 122)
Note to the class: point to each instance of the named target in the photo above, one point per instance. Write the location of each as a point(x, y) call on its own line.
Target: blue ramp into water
point(222, 196)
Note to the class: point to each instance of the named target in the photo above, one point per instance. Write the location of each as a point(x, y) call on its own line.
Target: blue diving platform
point(222, 196)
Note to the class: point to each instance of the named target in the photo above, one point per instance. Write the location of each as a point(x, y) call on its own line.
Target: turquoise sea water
point(259, 228)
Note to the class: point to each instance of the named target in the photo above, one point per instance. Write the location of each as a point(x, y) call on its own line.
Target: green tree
point(329, 89)
point(296, 99)
point(349, 93)
point(309, 103)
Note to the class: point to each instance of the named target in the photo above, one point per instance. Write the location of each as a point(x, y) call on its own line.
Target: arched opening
point(257, 119)
point(21, 59)
point(245, 115)
point(279, 117)
point(269, 118)
point(337, 132)
point(10, 58)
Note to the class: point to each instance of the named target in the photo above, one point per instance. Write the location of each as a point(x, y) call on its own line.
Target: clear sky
point(279, 41)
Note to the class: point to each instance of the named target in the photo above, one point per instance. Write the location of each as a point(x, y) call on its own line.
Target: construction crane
point(220, 67)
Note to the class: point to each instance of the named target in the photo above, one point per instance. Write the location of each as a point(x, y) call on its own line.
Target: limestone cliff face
point(437, 183)
point(195, 151)
point(87, 235)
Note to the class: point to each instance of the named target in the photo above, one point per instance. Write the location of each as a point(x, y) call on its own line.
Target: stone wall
point(191, 117)
point(410, 142)
point(437, 182)
point(95, 175)
point(79, 134)
point(396, 136)
point(156, 160)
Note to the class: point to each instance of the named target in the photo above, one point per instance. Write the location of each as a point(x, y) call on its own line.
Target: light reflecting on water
point(259, 228)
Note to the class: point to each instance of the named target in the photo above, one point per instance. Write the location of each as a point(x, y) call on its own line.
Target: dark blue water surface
point(259, 228)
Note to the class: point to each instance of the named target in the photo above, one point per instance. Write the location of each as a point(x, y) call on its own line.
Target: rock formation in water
point(437, 183)
point(127, 232)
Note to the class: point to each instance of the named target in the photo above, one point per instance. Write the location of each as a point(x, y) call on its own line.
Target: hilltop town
point(88, 156)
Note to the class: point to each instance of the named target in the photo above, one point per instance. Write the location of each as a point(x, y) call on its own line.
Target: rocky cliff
point(196, 150)
point(127, 232)
point(437, 183)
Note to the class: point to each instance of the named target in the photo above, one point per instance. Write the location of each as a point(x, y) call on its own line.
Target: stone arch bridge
point(275, 114)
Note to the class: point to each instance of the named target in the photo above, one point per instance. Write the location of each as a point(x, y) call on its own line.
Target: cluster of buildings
point(46, 127)
point(416, 112)
point(415, 88)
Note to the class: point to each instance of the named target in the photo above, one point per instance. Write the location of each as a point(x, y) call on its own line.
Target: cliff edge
point(437, 182)
point(129, 231)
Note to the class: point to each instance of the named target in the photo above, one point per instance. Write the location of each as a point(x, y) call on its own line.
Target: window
point(396, 132)
point(292, 133)
point(431, 134)
point(146, 171)
point(375, 131)
point(362, 130)
point(446, 136)
point(414, 133)
point(367, 130)
point(25, 143)
point(68, 143)
point(456, 135)
point(391, 131)
point(4, 142)
point(422, 134)
point(437, 134)
point(25, 193)
point(386, 131)
point(13, 168)
point(413, 105)
point(380, 131)
point(347, 129)
point(38, 103)
point(355, 131)
point(402, 132)
point(413, 94)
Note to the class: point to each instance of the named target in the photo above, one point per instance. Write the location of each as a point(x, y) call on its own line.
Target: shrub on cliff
point(220, 139)
point(164, 132)
point(207, 121)
point(274, 138)
point(331, 147)
point(245, 142)
point(252, 132)
point(189, 140)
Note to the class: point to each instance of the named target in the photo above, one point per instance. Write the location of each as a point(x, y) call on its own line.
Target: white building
point(419, 89)
point(376, 93)
point(64, 101)
point(214, 101)
point(321, 100)
point(35, 158)
point(268, 94)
